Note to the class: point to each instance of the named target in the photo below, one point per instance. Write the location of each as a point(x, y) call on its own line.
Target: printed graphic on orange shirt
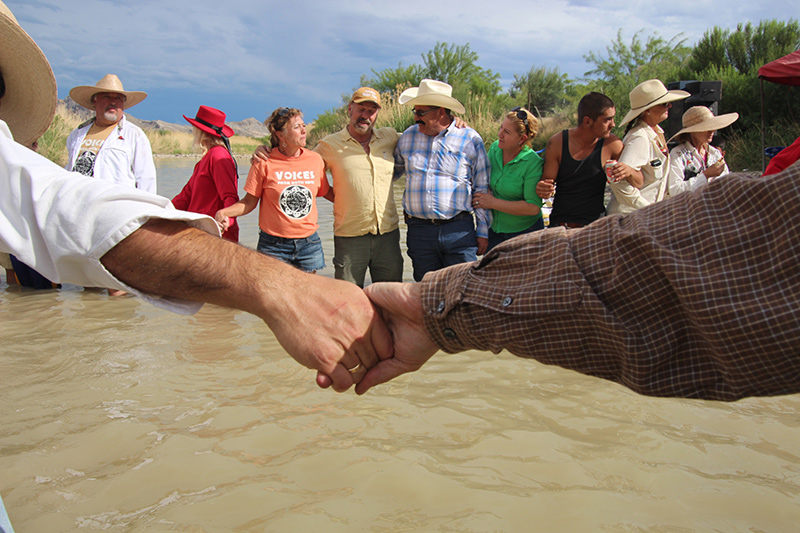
point(296, 201)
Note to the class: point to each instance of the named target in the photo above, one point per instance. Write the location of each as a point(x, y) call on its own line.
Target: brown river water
point(122, 417)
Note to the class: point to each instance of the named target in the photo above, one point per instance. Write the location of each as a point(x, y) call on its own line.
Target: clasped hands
point(387, 338)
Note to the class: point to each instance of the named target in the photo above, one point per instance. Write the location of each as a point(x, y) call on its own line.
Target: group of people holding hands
point(693, 296)
point(448, 176)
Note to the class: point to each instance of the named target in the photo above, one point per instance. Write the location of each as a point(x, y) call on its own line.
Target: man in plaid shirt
point(697, 296)
point(443, 165)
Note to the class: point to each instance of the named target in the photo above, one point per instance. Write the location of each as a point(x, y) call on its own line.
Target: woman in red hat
point(214, 182)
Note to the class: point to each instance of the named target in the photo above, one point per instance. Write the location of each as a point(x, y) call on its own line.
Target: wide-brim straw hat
point(650, 94)
point(29, 103)
point(700, 118)
point(82, 95)
point(433, 93)
point(210, 120)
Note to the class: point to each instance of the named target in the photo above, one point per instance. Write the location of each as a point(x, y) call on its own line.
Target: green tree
point(628, 65)
point(747, 48)
point(540, 88)
point(457, 65)
point(391, 79)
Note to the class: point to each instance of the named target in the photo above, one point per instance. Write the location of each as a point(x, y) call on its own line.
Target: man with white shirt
point(109, 146)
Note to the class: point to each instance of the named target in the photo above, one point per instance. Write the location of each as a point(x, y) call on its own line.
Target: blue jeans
point(435, 246)
point(305, 254)
point(496, 238)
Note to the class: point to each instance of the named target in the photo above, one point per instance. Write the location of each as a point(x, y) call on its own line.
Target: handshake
point(354, 337)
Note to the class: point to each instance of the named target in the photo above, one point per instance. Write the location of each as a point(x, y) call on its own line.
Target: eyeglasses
point(420, 114)
point(522, 115)
point(667, 105)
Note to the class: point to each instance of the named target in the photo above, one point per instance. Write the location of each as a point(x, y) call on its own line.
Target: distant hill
point(249, 127)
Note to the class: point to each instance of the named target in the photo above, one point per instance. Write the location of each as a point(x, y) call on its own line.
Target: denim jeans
point(380, 253)
point(305, 254)
point(435, 246)
point(496, 238)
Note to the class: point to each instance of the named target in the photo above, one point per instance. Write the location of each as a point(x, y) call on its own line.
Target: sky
point(247, 57)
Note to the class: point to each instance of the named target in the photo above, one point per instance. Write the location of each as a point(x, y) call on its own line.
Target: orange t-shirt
point(287, 188)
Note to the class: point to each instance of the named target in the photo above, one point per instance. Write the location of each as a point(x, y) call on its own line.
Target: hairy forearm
point(169, 258)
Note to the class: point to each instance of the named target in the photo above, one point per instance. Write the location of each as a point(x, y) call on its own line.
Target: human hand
point(623, 171)
point(223, 221)
point(330, 326)
point(400, 306)
point(545, 188)
point(459, 123)
point(261, 154)
point(483, 245)
point(715, 170)
point(483, 200)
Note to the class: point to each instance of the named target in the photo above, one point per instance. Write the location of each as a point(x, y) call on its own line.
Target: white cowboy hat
point(700, 118)
point(109, 84)
point(30, 99)
point(433, 93)
point(650, 94)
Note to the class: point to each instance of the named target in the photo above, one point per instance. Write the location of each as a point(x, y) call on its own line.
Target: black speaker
point(705, 93)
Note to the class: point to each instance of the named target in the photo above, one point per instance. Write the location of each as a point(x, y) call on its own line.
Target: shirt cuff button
point(440, 307)
point(449, 333)
point(507, 301)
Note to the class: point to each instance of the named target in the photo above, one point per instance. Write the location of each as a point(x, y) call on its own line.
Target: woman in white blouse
point(694, 162)
point(639, 178)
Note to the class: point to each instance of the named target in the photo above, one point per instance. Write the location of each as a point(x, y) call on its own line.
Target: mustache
point(421, 123)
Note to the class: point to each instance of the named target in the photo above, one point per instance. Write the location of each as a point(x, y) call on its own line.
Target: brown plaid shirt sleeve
point(696, 296)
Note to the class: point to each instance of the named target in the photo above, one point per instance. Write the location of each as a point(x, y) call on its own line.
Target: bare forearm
point(169, 258)
point(518, 207)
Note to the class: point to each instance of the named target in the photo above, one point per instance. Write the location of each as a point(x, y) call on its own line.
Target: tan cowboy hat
point(109, 84)
point(433, 93)
point(650, 94)
point(700, 118)
point(30, 99)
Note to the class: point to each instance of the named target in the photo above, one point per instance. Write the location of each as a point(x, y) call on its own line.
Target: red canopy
point(785, 70)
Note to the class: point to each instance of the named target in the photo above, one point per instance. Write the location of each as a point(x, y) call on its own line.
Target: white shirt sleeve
point(61, 223)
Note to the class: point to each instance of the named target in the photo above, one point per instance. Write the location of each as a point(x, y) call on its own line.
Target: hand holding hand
point(331, 326)
point(400, 305)
point(545, 188)
point(223, 221)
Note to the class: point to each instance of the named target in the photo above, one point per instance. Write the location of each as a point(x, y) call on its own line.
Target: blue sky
point(248, 57)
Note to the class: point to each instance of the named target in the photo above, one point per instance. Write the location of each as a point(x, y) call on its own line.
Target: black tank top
point(580, 186)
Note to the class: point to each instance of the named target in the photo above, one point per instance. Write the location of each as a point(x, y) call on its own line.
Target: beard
point(112, 115)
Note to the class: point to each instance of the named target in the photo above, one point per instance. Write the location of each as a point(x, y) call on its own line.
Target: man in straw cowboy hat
point(76, 229)
point(109, 146)
point(444, 165)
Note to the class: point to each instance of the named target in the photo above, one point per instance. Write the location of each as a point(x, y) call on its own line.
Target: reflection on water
point(119, 416)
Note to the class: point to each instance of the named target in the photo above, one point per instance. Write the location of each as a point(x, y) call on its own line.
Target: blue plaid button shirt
point(442, 172)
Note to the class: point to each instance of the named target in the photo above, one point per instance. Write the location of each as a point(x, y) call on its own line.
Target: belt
point(437, 221)
point(571, 225)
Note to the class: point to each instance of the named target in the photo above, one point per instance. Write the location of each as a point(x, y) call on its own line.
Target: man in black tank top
point(577, 171)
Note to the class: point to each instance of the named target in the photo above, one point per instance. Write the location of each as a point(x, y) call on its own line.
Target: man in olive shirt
point(365, 222)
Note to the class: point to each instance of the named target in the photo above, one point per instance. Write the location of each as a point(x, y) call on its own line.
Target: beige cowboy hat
point(433, 93)
point(650, 94)
point(109, 84)
point(30, 99)
point(700, 118)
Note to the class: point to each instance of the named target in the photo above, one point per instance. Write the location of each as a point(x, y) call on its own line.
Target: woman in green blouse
point(516, 169)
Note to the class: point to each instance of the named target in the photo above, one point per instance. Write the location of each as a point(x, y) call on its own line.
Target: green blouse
point(515, 181)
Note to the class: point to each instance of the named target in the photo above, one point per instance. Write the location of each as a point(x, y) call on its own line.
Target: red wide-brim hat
point(211, 121)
